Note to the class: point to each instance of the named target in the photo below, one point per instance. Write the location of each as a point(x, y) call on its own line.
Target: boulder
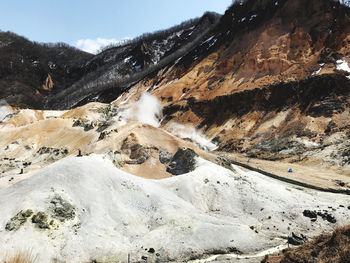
point(182, 162)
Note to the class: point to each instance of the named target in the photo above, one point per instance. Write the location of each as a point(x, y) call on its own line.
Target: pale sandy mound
point(33, 139)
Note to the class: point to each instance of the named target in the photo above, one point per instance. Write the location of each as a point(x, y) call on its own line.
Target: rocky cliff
point(270, 81)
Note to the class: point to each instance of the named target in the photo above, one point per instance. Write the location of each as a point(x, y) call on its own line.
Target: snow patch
point(318, 71)
point(308, 144)
point(342, 65)
point(210, 38)
point(5, 110)
point(127, 59)
point(252, 17)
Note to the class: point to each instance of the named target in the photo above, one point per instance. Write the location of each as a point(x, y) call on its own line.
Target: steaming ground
point(147, 109)
point(192, 134)
point(95, 211)
point(108, 203)
point(127, 134)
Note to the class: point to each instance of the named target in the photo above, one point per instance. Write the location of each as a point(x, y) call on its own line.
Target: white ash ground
point(205, 211)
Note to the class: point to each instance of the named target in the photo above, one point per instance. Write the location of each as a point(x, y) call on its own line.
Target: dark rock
point(340, 183)
point(62, 210)
point(52, 151)
point(18, 220)
point(25, 164)
point(326, 216)
point(41, 220)
point(151, 250)
point(137, 152)
point(102, 136)
point(234, 250)
point(331, 219)
point(182, 162)
point(102, 126)
point(311, 214)
point(296, 240)
point(84, 123)
point(144, 258)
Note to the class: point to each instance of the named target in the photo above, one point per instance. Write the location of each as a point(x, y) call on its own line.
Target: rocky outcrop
point(184, 161)
point(137, 153)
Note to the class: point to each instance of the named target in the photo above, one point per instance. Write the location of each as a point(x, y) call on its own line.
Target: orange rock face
point(48, 83)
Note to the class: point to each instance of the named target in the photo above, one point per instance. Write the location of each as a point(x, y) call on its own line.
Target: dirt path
point(314, 177)
point(244, 258)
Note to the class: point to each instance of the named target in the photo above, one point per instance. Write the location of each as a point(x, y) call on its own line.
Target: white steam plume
point(148, 109)
point(192, 134)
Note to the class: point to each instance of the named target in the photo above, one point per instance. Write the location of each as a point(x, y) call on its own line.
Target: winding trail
point(258, 254)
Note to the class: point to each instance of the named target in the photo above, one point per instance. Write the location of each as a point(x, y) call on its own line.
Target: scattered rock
point(25, 164)
point(53, 151)
point(109, 111)
point(296, 240)
point(62, 209)
point(182, 162)
point(102, 136)
point(87, 125)
point(137, 152)
point(102, 126)
point(18, 220)
point(41, 220)
point(326, 216)
point(165, 156)
point(311, 214)
point(339, 182)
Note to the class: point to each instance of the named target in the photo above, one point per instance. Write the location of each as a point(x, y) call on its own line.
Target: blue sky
point(87, 20)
